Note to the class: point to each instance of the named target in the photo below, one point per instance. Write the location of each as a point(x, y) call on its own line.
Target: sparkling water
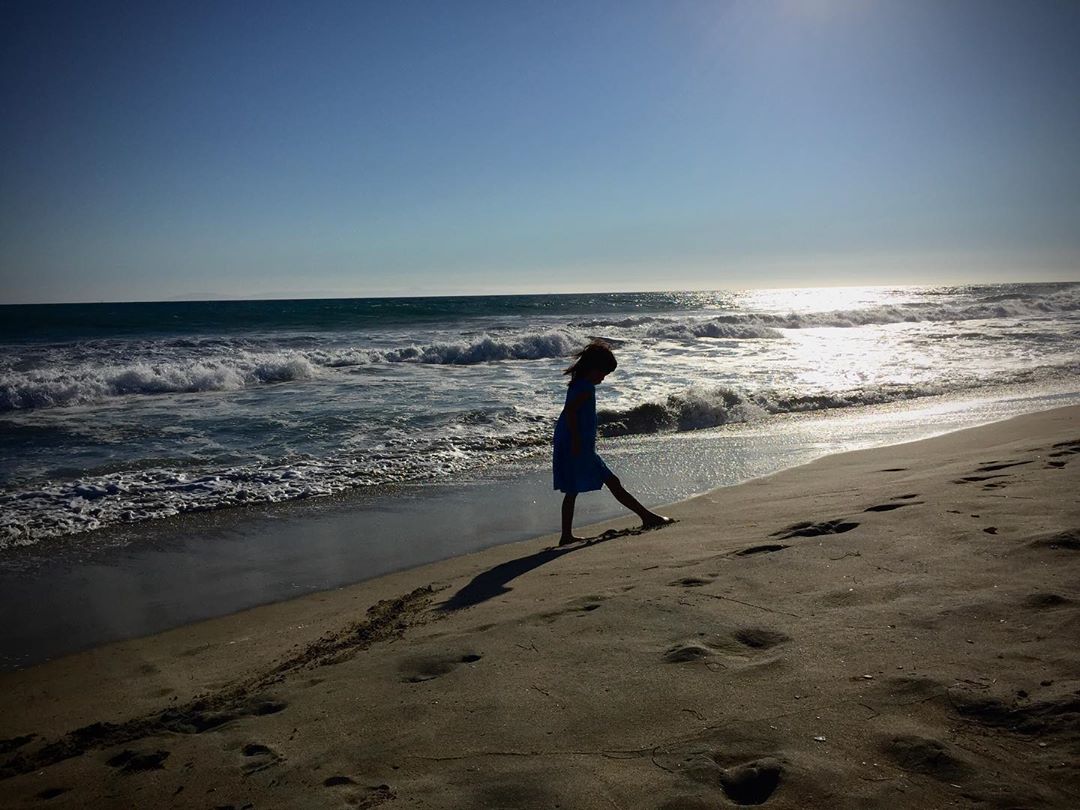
point(120, 413)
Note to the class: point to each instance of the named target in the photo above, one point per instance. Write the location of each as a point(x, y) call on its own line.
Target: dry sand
point(888, 628)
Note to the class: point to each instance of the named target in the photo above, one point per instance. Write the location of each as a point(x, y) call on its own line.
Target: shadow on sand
point(493, 581)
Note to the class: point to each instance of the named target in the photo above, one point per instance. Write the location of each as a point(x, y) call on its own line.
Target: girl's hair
point(596, 356)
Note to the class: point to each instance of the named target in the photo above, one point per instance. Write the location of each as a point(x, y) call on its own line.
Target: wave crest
point(485, 350)
point(700, 408)
point(1064, 301)
point(714, 328)
point(83, 385)
point(87, 382)
point(765, 325)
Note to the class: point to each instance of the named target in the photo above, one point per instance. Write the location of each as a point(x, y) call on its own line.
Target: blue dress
point(586, 471)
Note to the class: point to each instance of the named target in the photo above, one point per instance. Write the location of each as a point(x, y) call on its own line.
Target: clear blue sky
point(156, 150)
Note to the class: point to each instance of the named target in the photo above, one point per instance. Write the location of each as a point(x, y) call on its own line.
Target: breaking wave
point(94, 502)
point(486, 350)
point(1022, 306)
point(96, 371)
point(713, 328)
point(476, 438)
point(760, 325)
point(700, 408)
point(59, 383)
point(765, 325)
point(86, 384)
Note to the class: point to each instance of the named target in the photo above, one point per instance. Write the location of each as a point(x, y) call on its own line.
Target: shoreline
point(913, 606)
point(148, 578)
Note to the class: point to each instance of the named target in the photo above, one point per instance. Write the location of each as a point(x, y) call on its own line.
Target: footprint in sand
point(334, 781)
point(926, 756)
point(376, 796)
point(811, 529)
point(688, 653)
point(197, 721)
point(752, 783)
point(579, 607)
point(888, 507)
point(970, 479)
point(1043, 601)
point(768, 548)
point(129, 761)
point(906, 690)
point(1052, 717)
point(691, 582)
point(52, 793)
point(745, 783)
point(1000, 465)
point(1063, 449)
point(745, 638)
point(1067, 540)
point(428, 668)
point(259, 757)
point(760, 638)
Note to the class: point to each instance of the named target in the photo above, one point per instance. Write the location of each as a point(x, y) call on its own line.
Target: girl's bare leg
point(568, 501)
point(648, 517)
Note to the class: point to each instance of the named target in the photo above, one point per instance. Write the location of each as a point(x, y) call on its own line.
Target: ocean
point(121, 414)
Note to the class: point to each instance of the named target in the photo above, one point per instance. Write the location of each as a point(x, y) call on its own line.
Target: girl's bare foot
point(568, 539)
point(654, 520)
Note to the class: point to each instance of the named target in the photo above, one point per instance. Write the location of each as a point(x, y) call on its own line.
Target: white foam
point(697, 408)
point(95, 502)
point(690, 330)
point(486, 350)
point(94, 374)
point(375, 407)
point(85, 383)
point(1060, 302)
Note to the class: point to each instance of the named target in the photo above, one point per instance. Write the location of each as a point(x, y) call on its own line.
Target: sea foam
point(698, 408)
point(86, 383)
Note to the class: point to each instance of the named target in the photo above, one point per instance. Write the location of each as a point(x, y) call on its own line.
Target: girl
point(577, 467)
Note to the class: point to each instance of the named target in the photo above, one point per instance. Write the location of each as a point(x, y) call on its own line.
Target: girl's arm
point(571, 411)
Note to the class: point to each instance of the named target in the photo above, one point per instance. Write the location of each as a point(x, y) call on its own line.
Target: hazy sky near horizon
point(248, 149)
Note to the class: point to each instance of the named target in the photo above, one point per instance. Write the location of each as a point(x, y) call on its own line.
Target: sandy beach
point(895, 627)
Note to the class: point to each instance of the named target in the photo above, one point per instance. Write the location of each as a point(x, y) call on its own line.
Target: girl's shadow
point(493, 581)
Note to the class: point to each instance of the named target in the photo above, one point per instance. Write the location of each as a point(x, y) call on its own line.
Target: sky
point(166, 150)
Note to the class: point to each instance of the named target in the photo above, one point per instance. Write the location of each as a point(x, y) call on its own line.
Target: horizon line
point(195, 299)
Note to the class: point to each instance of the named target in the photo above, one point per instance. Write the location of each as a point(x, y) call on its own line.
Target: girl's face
point(596, 376)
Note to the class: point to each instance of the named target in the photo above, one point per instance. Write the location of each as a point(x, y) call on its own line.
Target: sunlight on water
point(836, 360)
point(819, 299)
point(256, 402)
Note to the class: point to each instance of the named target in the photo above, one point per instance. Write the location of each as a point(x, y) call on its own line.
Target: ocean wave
point(486, 350)
point(54, 509)
point(474, 438)
point(700, 408)
point(88, 384)
point(765, 325)
point(732, 327)
point(621, 323)
point(482, 349)
point(713, 328)
point(90, 372)
point(1061, 302)
point(85, 378)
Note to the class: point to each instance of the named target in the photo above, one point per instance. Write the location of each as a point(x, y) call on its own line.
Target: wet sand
point(895, 627)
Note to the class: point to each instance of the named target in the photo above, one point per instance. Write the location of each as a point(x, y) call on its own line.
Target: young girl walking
point(577, 468)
